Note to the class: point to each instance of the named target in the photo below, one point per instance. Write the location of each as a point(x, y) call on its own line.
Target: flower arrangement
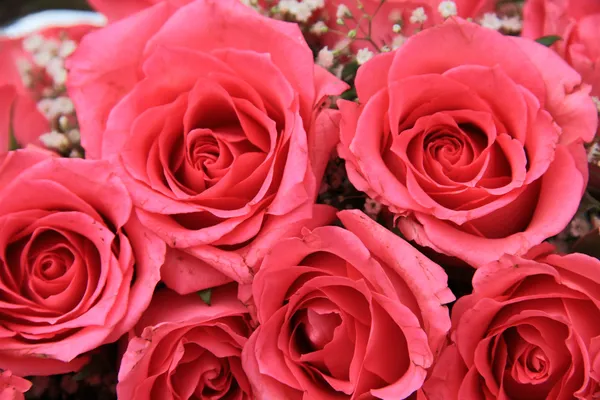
point(302, 199)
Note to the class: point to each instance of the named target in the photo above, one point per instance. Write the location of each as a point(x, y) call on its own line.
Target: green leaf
point(205, 295)
point(548, 40)
point(349, 94)
point(12, 142)
point(349, 71)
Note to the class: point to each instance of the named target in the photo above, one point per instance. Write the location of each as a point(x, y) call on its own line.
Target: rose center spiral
point(315, 329)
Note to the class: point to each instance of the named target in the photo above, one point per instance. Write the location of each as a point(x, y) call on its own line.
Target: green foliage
point(349, 94)
point(349, 72)
point(548, 40)
point(205, 295)
point(12, 141)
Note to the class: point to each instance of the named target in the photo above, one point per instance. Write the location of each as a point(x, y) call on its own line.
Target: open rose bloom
point(188, 348)
point(478, 154)
point(301, 200)
point(217, 129)
point(529, 330)
point(356, 313)
point(69, 245)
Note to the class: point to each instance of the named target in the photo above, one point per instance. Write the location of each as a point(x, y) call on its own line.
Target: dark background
point(10, 10)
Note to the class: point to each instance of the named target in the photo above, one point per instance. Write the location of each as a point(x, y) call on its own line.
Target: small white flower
point(59, 77)
point(319, 28)
point(55, 140)
point(47, 51)
point(63, 122)
point(398, 41)
point(286, 5)
point(75, 154)
point(363, 55)
point(314, 4)
point(512, 24)
point(42, 58)
point(46, 107)
point(55, 66)
point(343, 11)
point(447, 8)
point(325, 58)
point(51, 46)
point(418, 16)
point(52, 108)
point(302, 12)
point(396, 28)
point(63, 105)
point(74, 136)
point(67, 47)
point(33, 43)
point(24, 67)
point(491, 21)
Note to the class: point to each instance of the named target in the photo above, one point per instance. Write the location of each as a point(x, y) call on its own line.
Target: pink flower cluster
point(182, 217)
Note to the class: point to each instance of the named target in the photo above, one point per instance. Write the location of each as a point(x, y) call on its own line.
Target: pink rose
point(477, 153)
point(530, 330)
point(187, 349)
point(577, 22)
point(390, 13)
point(32, 76)
point(77, 269)
point(13, 387)
point(356, 313)
point(217, 128)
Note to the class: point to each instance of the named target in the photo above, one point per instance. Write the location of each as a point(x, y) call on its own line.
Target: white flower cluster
point(398, 41)
point(65, 136)
point(52, 108)
point(363, 55)
point(325, 58)
point(507, 24)
point(418, 16)
point(301, 11)
point(49, 54)
point(447, 8)
point(319, 28)
point(45, 74)
point(342, 12)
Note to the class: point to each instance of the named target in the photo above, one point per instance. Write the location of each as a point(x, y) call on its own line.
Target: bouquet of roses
point(302, 199)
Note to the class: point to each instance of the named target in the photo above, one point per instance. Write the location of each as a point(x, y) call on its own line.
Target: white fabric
point(34, 22)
